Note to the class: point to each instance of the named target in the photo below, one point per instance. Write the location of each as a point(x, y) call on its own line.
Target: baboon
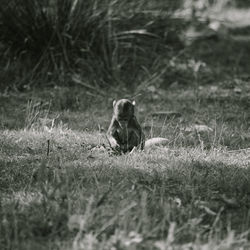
point(125, 133)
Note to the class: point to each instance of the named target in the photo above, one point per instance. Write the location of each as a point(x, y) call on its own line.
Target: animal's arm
point(112, 141)
point(112, 135)
point(136, 137)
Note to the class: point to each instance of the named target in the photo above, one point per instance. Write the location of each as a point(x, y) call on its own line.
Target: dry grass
point(71, 194)
point(60, 187)
point(78, 196)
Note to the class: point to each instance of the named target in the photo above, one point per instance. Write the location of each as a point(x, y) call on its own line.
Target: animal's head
point(124, 110)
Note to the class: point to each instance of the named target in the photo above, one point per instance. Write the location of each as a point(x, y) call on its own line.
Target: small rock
point(237, 90)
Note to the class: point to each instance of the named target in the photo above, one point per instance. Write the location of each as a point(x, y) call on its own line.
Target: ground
point(61, 188)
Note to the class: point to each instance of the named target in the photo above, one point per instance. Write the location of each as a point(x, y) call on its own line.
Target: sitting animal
point(125, 133)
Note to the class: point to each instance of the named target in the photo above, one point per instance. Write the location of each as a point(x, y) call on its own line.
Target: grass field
point(60, 186)
point(61, 189)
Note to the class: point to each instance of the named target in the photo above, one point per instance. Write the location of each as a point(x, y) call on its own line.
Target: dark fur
point(125, 138)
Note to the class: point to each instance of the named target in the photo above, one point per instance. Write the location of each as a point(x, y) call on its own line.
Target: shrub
point(105, 41)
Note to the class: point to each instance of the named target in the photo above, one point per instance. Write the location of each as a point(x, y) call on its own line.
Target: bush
point(106, 41)
point(54, 32)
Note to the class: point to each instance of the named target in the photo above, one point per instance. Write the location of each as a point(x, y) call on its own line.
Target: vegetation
point(60, 186)
point(102, 41)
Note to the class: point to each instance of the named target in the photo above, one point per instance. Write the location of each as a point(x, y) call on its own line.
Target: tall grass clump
point(50, 34)
point(100, 40)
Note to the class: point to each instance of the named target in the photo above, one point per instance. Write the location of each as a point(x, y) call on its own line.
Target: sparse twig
point(48, 147)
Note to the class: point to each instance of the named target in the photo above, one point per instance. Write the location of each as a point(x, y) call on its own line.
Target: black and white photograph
point(125, 125)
